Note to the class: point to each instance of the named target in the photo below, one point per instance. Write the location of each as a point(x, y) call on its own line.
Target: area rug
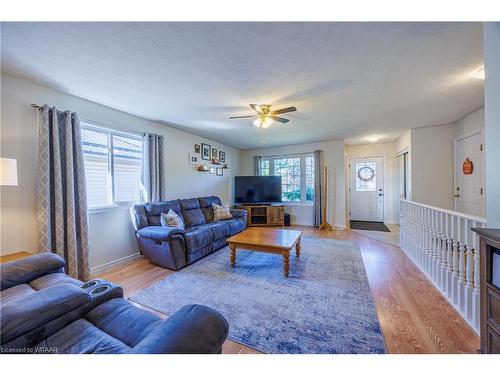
point(324, 306)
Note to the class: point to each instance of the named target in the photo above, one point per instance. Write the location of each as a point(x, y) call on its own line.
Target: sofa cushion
point(191, 212)
point(235, 225)
point(123, 321)
point(82, 337)
point(53, 279)
point(218, 229)
point(198, 237)
point(154, 210)
point(16, 292)
point(206, 206)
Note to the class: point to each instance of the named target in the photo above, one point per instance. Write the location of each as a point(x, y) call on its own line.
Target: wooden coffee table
point(267, 240)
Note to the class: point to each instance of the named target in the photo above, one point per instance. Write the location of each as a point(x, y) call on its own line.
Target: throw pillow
point(221, 212)
point(171, 219)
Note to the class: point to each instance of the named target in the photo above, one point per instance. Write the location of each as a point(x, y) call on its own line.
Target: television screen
point(257, 189)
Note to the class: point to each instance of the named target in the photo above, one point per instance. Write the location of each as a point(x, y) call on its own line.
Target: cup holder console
point(100, 289)
point(90, 284)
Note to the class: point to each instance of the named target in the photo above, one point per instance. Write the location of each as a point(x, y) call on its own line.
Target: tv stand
point(262, 215)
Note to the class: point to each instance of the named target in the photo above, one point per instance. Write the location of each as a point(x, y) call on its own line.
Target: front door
point(469, 175)
point(366, 189)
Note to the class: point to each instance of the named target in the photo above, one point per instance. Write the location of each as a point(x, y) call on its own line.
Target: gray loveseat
point(174, 248)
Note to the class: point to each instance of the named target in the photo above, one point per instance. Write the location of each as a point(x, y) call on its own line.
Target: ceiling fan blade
point(284, 110)
point(257, 108)
point(233, 117)
point(280, 119)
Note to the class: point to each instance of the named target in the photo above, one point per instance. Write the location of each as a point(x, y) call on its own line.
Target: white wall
point(333, 159)
point(470, 123)
point(432, 165)
point(492, 121)
point(388, 152)
point(111, 235)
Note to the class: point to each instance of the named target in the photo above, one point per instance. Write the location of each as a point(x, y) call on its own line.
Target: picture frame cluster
point(205, 152)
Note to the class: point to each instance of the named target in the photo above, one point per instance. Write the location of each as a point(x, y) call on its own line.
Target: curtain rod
point(92, 122)
point(287, 154)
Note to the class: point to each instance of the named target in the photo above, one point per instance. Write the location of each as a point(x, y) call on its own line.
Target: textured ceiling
point(348, 80)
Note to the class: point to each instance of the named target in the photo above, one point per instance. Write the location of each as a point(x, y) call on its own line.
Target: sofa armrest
point(237, 213)
point(159, 233)
point(39, 308)
point(30, 268)
point(194, 329)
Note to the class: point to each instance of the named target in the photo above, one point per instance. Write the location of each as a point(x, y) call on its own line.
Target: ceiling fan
point(265, 117)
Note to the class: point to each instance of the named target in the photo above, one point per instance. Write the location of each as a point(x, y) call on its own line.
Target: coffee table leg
point(233, 254)
point(297, 248)
point(286, 261)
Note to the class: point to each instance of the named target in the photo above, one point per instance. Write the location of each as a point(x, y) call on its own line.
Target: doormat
point(369, 225)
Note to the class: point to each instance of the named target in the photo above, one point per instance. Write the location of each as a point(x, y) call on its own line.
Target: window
point(113, 163)
point(297, 176)
point(366, 176)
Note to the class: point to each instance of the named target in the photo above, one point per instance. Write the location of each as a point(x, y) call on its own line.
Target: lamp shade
point(8, 172)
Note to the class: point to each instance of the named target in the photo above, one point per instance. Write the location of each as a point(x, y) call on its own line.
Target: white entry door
point(469, 185)
point(366, 189)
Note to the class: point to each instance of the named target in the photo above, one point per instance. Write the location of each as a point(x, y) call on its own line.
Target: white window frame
point(110, 132)
point(303, 184)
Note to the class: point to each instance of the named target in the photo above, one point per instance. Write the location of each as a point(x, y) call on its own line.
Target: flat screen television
point(257, 189)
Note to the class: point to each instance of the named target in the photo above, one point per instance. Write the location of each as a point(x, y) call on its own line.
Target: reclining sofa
point(43, 310)
point(174, 248)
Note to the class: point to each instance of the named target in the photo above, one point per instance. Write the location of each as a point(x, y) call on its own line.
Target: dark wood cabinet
point(490, 289)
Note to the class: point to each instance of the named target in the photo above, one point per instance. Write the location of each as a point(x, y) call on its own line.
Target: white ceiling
point(348, 80)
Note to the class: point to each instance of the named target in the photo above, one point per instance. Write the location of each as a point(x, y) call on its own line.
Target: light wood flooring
point(414, 316)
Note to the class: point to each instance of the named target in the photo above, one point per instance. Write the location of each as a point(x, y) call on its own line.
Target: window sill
point(298, 204)
point(109, 208)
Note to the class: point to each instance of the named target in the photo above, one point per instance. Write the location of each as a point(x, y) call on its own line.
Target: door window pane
point(366, 176)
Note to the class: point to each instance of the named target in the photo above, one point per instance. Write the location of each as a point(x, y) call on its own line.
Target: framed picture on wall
point(212, 170)
point(222, 156)
point(197, 149)
point(205, 151)
point(214, 153)
point(219, 172)
point(193, 159)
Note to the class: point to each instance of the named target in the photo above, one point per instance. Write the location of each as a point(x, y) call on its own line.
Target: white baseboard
point(104, 267)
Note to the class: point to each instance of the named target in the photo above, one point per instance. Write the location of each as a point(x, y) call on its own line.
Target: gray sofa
point(43, 310)
point(174, 248)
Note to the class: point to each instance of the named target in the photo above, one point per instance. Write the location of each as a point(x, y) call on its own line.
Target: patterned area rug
point(325, 306)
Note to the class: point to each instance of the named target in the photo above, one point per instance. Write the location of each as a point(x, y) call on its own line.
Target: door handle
point(456, 195)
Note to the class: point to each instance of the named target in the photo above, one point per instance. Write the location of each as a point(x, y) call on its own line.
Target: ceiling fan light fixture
point(264, 122)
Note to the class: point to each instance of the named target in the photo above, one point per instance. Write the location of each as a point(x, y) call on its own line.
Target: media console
point(263, 214)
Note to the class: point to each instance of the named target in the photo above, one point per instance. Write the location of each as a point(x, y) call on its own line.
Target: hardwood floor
point(15, 256)
point(414, 316)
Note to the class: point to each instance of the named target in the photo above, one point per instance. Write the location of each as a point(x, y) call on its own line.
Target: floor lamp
point(324, 202)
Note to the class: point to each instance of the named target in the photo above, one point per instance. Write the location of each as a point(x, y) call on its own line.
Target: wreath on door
point(366, 173)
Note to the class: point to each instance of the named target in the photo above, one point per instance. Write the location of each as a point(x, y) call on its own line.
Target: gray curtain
point(62, 196)
point(153, 169)
point(256, 165)
point(318, 186)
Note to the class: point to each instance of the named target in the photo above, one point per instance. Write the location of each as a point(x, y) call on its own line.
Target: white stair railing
point(440, 242)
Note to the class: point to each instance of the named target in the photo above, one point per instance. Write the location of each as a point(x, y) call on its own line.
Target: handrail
point(479, 219)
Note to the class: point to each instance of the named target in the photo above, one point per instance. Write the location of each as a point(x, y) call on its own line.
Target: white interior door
point(469, 188)
point(366, 189)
